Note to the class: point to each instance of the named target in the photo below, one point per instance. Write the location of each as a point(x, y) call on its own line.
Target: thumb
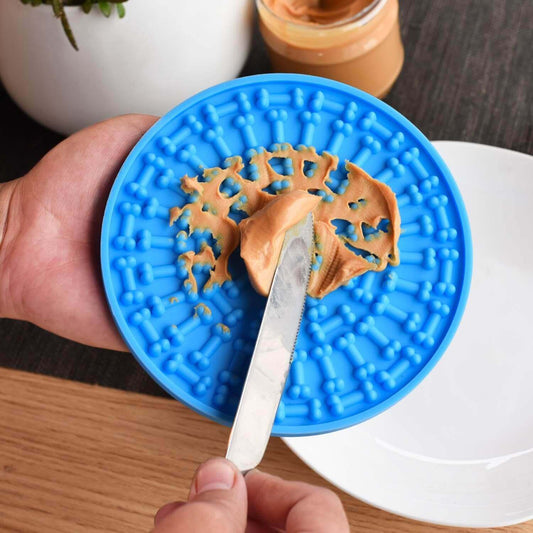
point(217, 502)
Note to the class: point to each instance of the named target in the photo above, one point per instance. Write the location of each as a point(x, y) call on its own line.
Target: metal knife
point(273, 350)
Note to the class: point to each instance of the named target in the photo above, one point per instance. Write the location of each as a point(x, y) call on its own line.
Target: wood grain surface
point(76, 458)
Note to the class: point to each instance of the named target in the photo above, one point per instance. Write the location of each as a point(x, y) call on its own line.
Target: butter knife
point(273, 350)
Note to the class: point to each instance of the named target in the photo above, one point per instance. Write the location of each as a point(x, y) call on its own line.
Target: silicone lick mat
point(362, 347)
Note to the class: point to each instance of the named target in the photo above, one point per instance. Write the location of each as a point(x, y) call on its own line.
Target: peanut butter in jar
point(354, 41)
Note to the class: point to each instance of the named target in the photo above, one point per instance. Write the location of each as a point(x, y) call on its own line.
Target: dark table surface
point(468, 76)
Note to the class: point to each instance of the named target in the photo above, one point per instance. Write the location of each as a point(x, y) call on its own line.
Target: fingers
point(53, 268)
point(167, 509)
point(217, 502)
point(258, 527)
point(7, 192)
point(294, 506)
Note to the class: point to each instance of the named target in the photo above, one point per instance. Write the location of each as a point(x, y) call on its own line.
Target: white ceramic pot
point(160, 53)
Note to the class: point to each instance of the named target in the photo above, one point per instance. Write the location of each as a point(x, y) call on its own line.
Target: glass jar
point(364, 50)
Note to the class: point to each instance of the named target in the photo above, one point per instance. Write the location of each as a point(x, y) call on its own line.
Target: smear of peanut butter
point(209, 212)
point(365, 203)
point(262, 234)
point(366, 214)
point(204, 257)
point(317, 11)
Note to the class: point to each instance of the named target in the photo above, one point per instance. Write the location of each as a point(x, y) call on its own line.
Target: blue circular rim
point(189, 400)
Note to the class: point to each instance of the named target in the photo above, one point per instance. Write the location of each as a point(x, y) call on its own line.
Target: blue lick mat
point(361, 348)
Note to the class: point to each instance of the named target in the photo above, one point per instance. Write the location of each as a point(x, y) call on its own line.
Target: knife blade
point(272, 355)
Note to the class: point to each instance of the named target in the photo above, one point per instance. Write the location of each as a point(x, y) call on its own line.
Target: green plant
point(58, 7)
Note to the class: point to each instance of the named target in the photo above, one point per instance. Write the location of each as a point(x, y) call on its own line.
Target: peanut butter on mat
point(356, 227)
point(262, 234)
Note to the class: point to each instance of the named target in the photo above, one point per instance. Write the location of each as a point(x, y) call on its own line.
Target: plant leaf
point(68, 32)
point(121, 10)
point(36, 2)
point(57, 7)
point(66, 27)
point(87, 6)
point(105, 7)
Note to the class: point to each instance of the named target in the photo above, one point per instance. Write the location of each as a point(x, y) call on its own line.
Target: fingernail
point(217, 474)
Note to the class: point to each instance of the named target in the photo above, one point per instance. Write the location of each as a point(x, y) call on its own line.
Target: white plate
point(458, 450)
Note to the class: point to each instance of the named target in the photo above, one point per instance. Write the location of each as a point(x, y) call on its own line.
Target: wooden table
point(79, 458)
